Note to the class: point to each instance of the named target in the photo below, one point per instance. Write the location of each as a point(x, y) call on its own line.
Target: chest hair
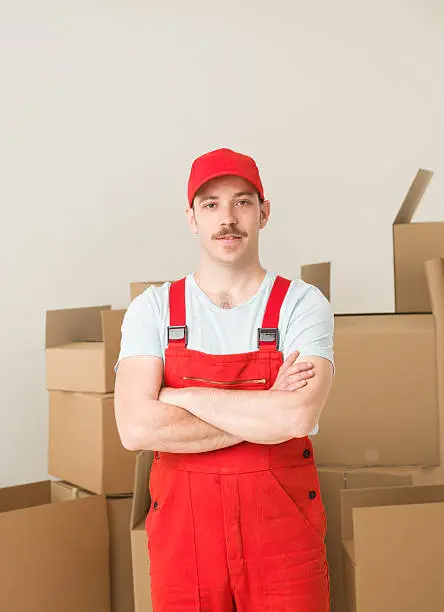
point(225, 300)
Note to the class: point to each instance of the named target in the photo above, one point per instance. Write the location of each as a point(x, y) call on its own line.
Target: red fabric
point(222, 162)
point(241, 528)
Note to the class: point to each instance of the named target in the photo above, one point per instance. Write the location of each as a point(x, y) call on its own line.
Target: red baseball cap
point(222, 162)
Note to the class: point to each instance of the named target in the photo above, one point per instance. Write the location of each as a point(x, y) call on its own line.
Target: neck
point(239, 283)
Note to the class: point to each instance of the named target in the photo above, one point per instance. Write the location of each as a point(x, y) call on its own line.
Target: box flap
point(25, 496)
point(74, 325)
point(111, 328)
point(318, 275)
point(413, 197)
point(435, 279)
point(384, 496)
point(349, 549)
point(141, 497)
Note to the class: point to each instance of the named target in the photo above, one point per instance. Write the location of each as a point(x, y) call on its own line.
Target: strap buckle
point(268, 335)
point(177, 333)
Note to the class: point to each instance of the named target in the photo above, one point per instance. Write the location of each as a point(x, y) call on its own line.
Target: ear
point(264, 213)
point(191, 220)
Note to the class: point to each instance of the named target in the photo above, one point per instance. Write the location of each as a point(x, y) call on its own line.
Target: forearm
point(165, 427)
point(263, 417)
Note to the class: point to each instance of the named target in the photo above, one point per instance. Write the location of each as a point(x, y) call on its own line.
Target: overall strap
point(268, 334)
point(177, 330)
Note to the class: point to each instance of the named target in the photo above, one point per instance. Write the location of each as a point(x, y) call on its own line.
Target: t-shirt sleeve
point(140, 331)
point(310, 329)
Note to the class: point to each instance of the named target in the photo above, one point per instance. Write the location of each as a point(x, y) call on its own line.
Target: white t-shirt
point(306, 322)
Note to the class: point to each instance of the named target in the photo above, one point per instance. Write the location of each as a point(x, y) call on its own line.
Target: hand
point(293, 376)
point(166, 395)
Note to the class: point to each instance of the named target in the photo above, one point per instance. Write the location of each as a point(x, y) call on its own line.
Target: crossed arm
point(201, 419)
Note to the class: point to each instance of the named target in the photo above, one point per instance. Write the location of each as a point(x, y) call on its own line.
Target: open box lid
point(434, 269)
point(74, 325)
point(413, 197)
point(25, 496)
point(141, 496)
point(318, 274)
point(89, 324)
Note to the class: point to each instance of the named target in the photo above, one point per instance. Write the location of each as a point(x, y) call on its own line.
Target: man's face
point(227, 217)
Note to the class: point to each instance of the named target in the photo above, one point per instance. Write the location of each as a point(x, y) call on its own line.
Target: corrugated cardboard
point(318, 275)
point(414, 244)
point(387, 394)
point(121, 571)
point(332, 481)
point(393, 548)
point(84, 444)
point(418, 475)
point(82, 346)
point(139, 543)
point(53, 556)
point(138, 288)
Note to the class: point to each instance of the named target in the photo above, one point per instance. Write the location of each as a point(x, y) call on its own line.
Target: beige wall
point(103, 106)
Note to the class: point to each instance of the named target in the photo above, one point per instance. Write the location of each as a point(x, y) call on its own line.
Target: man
point(236, 519)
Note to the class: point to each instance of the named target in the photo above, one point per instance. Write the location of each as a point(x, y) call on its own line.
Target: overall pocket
point(299, 488)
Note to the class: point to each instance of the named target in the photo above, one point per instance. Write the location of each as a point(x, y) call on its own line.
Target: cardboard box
point(332, 482)
point(413, 245)
point(417, 475)
point(85, 446)
point(138, 288)
point(82, 346)
point(393, 544)
point(121, 571)
point(139, 542)
point(388, 391)
point(318, 275)
point(53, 556)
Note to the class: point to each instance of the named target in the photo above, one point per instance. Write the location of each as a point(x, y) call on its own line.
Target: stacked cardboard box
point(382, 431)
point(85, 451)
point(383, 425)
point(53, 556)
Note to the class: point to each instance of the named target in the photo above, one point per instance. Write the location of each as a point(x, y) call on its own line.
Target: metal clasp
point(268, 335)
point(177, 332)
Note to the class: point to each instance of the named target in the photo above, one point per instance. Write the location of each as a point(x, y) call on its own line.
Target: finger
point(289, 361)
point(300, 366)
point(297, 385)
point(299, 376)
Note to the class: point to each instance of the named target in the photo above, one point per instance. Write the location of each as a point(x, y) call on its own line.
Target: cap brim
point(216, 175)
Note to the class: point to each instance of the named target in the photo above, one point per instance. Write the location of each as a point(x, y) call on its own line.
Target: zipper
point(230, 382)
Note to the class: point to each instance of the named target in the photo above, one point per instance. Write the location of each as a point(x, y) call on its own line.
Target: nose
point(227, 216)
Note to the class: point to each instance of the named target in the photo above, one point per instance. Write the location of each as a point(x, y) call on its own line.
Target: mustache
point(229, 233)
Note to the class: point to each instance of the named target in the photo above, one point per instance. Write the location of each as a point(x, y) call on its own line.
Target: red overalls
point(240, 528)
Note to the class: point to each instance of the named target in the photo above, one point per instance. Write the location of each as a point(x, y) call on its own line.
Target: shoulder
point(152, 300)
point(302, 293)
point(303, 299)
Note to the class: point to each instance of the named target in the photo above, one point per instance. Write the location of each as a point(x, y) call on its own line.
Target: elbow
point(133, 440)
point(129, 438)
point(130, 442)
point(304, 423)
point(133, 436)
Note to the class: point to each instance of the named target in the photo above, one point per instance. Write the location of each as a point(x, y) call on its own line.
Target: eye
point(210, 204)
point(243, 202)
